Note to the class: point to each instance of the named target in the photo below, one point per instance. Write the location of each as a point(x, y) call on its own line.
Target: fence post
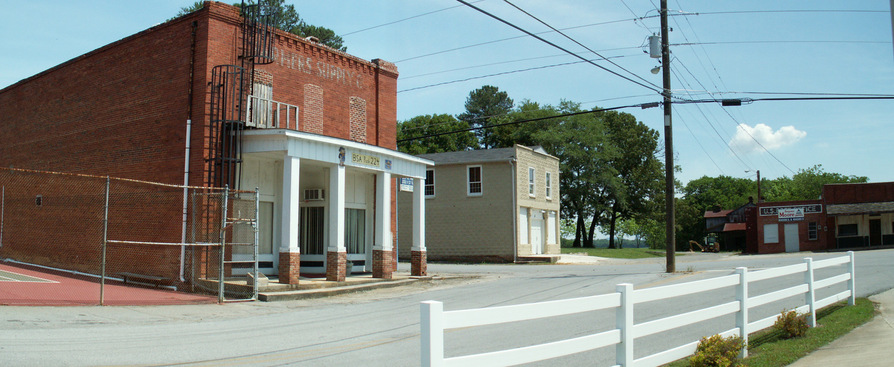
point(256, 228)
point(810, 297)
point(852, 283)
point(105, 238)
point(742, 316)
point(432, 314)
point(624, 323)
point(223, 240)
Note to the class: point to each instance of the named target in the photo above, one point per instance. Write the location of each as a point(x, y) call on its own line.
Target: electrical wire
point(580, 44)
point(557, 46)
point(519, 122)
point(500, 63)
point(405, 19)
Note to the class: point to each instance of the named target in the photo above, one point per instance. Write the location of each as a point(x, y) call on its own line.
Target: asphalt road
point(381, 327)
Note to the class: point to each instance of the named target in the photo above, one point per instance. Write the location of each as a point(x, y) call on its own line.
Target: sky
point(720, 49)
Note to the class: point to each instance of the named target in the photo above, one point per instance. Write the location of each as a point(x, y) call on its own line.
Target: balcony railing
point(264, 113)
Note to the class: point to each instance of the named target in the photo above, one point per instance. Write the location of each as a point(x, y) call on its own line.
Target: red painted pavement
point(71, 290)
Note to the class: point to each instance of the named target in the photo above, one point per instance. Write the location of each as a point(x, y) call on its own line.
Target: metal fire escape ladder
point(229, 89)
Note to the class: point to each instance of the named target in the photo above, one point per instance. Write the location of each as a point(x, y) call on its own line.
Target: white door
point(792, 243)
point(537, 234)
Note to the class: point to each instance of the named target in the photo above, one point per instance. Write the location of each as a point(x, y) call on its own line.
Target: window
point(311, 229)
point(429, 183)
point(355, 231)
point(811, 231)
point(549, 186)
point(845, 230)
point(771, 233)
point(473, 176)
point(531, 181)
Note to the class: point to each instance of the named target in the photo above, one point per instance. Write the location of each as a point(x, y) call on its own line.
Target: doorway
point(875, 232)
point(537, 233)
point(792, 242)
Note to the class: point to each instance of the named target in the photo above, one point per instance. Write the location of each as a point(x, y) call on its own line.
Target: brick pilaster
point(289, 267)
point(418, 263)
point(382, 264)
point(336, 263)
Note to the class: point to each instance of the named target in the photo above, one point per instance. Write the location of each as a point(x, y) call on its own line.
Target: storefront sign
point(406, 184)
point(790, 214)
point(806, 209)
point(364, 159)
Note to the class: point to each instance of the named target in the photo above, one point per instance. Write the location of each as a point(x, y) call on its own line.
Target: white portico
point(329, 201)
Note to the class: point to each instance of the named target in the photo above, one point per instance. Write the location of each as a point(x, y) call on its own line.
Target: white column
point(290, 198)
point(337, 209)
point(383, 212)
point(418, 214)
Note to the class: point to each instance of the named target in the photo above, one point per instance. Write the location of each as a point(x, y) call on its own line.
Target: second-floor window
point(549, 186)
point(430, 183)
point(531, 181)
point(474, 180)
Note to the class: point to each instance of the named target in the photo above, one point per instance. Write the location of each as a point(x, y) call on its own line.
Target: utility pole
point(759, 198)
point(668, 144)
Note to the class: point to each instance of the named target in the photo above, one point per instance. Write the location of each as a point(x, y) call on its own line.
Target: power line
point(557, 46)
point(580, 44)
point(405, 19)
point(488, 76)
point(501, 63)
point(759, 42)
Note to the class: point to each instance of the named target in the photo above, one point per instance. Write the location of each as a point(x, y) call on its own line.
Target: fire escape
point(229, 90)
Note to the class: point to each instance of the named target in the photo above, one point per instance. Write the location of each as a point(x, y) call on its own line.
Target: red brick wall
point(806, 244)
point(121, 110)
point(858, 193)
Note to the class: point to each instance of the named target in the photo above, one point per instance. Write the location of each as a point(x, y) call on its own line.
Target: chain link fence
point(127, 233)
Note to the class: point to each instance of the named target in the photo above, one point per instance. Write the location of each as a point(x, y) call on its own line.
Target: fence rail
point(435, 321)
point(265, 113)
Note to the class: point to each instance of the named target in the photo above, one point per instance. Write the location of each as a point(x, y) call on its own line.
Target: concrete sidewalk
point(867, 345)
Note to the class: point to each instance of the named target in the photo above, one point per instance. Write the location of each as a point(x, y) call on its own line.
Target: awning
point(731, 227)
point(860, 208)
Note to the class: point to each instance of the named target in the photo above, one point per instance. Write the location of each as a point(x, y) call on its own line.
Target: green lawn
point(623, 253)
point(768, 349)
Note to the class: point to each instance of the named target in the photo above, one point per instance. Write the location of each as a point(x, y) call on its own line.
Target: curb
point(333, 291)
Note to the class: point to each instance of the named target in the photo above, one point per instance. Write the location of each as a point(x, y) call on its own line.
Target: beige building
point(494, 204)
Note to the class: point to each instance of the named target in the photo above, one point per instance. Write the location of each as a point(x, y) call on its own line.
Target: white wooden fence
point(434, 320)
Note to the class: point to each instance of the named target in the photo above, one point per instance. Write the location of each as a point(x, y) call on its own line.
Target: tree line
point(612, 171)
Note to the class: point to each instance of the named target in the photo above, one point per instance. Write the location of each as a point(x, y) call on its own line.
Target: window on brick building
point(812, 231)
point(429, 183)
point(845, 230)
point(531, 187)
point(771, 233)
point(474, 181)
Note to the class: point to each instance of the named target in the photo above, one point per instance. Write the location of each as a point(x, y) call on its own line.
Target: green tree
point(580, 144)
point(807, 184)
point(705, 194)
point(640, 172)
point(286, 19)
point(427, 125)
point(487, 106)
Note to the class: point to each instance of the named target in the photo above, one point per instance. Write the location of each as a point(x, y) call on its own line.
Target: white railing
point(434, 320)
point(264, 113)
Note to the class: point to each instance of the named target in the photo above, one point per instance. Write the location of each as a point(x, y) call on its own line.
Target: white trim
point(426, 183)
point(294, 143)
point(469, 181)
point(549, 185)
point(532, 182)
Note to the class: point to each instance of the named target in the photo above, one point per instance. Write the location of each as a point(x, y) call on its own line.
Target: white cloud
point(743, 142)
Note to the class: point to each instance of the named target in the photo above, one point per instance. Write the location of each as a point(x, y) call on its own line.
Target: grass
point(767, 348)
point(623, 253)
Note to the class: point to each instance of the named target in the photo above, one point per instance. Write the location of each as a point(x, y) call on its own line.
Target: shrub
point(717, 351)
point(791, 324)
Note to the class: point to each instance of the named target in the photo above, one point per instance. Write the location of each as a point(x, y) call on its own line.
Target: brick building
point(216, 98)
point(493, 204)
point(846, 216)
